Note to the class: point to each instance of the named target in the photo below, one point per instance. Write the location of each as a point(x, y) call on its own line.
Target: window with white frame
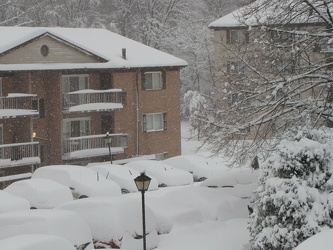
point(153, 80)
point(72, 83)
point(236, 67)
point(237, 36)
point(154, 122)
point(76, 127)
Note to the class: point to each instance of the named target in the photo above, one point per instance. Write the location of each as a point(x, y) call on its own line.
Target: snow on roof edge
point(244, 17)
point(79, 66)
point(99, 42)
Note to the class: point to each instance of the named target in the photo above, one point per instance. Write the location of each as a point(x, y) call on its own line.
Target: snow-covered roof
point(262, 13)
point(100, 42)
point(229, 20)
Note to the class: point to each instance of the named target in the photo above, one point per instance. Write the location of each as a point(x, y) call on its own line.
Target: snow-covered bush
point(292, 201)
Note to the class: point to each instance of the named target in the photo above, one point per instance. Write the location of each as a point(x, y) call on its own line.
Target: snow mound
point(239, 182)
point(164, 173)
point(193, 205)
point(122, 175)
point(116, 221)
point(10, 203)
point(201, 167)
point(230, 235)
point(41, 193)
point(81, 180)
point(65, 224)
point(36, 242)
point(322, 241)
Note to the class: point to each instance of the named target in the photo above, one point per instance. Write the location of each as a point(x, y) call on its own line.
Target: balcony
point(92, 146)
point(17, 104)
point(88, 100)
point(19, 154)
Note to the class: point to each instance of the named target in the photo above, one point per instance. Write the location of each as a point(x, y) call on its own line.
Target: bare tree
point(286, 79)
point(13, 13)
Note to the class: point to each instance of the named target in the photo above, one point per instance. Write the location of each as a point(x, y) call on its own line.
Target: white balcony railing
point(18, 154)
point(92, 146)
point(17, 104)
point(89, 100)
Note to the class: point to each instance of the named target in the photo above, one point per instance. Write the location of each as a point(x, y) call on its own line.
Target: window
point(237, 36)
point(44, 50)
point(153, 80)
point(76, 127)
point(154, 122)
point(72, 83)
point(0, 86)
point(237, 67)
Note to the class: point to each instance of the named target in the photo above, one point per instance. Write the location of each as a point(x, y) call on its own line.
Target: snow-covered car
point(36, 242)
point(83, 182)
point(41, 193)
point(122, 175)
point(116, 222)
point(193, 205)
point(65, 224)
point(241, 182)
point(164, 173)
point(10, 203)
point(201, 167)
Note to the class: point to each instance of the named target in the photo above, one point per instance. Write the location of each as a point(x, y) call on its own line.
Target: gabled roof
point(273, 13)
point(99, 42)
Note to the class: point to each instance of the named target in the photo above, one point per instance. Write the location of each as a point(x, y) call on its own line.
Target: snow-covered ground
point(197, 217)
point(212, 214)
point(193, 216)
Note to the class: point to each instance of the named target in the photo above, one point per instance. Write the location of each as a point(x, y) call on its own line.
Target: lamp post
point(142, 183)
point(108, 140)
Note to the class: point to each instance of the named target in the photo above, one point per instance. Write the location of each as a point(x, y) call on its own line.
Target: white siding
point(58, 53)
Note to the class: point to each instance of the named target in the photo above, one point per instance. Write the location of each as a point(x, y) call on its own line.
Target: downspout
point(137, 112)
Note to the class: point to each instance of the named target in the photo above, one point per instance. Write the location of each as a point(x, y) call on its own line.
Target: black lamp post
point(108, 140)
point(142, 183)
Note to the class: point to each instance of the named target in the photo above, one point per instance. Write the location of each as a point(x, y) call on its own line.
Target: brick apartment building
point(237, 49)
point(63, 89)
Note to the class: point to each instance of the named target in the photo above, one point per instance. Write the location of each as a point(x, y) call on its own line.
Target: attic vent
point(44, 50)
point(123, 53)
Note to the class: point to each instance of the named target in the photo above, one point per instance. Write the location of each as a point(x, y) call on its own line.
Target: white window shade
point(71, 83)
point(153, 80)
point(76, 127)
point(154, 122)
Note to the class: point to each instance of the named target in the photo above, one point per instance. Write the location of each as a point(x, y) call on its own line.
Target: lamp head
point(108, 138)
point(142, 182)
